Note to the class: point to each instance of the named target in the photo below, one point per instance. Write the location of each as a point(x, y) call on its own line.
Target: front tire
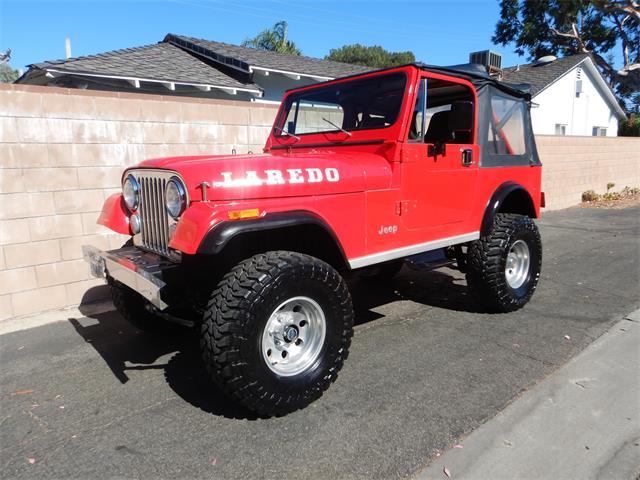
point(503, 267)
point(132, 307)
point(276, 331)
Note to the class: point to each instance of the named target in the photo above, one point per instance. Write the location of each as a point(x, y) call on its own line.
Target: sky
point(438, 32)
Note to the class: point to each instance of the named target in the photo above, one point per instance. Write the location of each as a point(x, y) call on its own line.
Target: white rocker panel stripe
point(402, 252)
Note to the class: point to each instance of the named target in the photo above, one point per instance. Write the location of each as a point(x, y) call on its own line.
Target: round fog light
point(134, 221)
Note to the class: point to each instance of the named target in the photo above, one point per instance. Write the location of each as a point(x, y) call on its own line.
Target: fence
point(573, 165)
point(62, 153)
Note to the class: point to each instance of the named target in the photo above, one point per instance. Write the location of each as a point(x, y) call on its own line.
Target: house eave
point(288, 73)
point(170, 84)
point(604, 87)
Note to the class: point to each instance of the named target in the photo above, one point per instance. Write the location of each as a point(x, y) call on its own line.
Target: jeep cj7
point(433, 165)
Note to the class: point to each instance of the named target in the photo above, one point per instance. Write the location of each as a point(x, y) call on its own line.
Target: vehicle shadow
point(444, 288)
point(125, 348)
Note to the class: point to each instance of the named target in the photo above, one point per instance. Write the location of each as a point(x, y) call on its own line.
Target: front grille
point(155, 221)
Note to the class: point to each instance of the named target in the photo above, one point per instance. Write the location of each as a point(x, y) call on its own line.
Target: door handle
point(467, 157)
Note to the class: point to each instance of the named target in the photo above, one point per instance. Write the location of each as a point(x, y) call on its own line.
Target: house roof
point(250, 59)
point(162, 62)
point(540, 76)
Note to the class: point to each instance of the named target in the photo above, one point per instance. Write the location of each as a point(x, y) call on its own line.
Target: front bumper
point(141, 271)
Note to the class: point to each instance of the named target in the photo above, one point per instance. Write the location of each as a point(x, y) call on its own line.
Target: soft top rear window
point(364, 104)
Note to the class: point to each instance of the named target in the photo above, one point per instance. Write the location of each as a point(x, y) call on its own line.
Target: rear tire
point(276, 331)
point(503, 267)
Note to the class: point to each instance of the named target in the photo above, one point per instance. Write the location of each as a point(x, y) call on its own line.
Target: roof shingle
point(540, 76)
point(252, 57)
point(162, 62)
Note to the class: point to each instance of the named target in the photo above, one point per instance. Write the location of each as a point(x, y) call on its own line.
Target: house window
point(599, 131)
point(561, 129)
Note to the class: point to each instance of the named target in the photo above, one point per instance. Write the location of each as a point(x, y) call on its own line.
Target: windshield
point(364, 104)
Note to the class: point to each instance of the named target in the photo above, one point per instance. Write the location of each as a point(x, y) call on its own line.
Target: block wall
point(573, 165)
point(62, 153)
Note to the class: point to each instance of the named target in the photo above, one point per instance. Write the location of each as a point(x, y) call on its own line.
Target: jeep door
point(440, 161)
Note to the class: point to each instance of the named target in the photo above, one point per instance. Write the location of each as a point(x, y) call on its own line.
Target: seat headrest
point(461, 118)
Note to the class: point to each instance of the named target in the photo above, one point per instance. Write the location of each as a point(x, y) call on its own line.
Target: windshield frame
point(335, 135)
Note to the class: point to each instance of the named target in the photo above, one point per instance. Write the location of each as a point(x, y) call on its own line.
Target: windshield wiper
point(284, 132)
point(337, 126)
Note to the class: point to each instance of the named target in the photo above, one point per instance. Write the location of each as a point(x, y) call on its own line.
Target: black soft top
point(473, 72)
point(478, 76)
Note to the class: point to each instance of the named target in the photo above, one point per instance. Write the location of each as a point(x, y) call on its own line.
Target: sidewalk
point(583, 422)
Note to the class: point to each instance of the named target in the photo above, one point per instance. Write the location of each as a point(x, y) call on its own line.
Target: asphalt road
point(95, 398)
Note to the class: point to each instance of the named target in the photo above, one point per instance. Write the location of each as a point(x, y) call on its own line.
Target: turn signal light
point(543, 201)
point(244, 214)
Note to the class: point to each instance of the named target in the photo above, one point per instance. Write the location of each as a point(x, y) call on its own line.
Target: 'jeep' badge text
point(278, 177)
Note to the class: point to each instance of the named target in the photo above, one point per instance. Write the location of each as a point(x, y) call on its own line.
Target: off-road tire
point(234, 321)
point(487, 257)
point(132, 307)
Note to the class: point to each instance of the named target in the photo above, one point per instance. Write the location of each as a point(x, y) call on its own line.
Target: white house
point(570, 96)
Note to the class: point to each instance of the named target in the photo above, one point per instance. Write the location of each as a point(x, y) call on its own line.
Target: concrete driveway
point(95, 398)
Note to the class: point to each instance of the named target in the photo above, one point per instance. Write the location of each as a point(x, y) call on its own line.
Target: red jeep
point(427, 164)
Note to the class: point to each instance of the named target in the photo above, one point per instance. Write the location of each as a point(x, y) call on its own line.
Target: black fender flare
point(222, 233)
point(497, 200)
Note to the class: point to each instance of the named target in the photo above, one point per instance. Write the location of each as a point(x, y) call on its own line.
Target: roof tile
point(540, 76)
point(162, 62)
point(252, 57)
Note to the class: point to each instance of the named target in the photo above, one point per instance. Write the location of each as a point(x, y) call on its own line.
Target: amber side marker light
point(244, 214)
point(542, 200)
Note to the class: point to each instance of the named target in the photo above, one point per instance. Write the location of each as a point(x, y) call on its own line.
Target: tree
point(630, 127)
point(273, 40)
point(374, 56)
point(564, 27)
point(8, 74)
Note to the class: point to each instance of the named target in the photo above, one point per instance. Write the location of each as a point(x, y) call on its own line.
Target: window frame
point(426, 77)
point(298, 97)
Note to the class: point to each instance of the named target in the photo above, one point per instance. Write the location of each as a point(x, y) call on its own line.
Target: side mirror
point(461, 117)
point(291, 126)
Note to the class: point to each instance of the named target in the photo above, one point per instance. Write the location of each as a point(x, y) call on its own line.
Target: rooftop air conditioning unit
point(491, 60)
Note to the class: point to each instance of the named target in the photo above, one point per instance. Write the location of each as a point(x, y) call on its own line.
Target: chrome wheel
point(293, 336)
point(517, 266)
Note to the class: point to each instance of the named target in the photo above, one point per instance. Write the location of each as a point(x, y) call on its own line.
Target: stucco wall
point(558, 104)
point(62, 153)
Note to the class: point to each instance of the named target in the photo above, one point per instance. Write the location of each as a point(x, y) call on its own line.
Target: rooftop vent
point(491, 60)
point(546, 59)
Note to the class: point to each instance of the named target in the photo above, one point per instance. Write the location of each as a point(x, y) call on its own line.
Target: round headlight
point(175, 197)
point(131, 192)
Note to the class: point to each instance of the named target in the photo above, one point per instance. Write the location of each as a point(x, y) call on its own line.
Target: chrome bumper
point(141, 271)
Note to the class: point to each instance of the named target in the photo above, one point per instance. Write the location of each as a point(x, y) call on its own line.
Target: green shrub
point(630, 127)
